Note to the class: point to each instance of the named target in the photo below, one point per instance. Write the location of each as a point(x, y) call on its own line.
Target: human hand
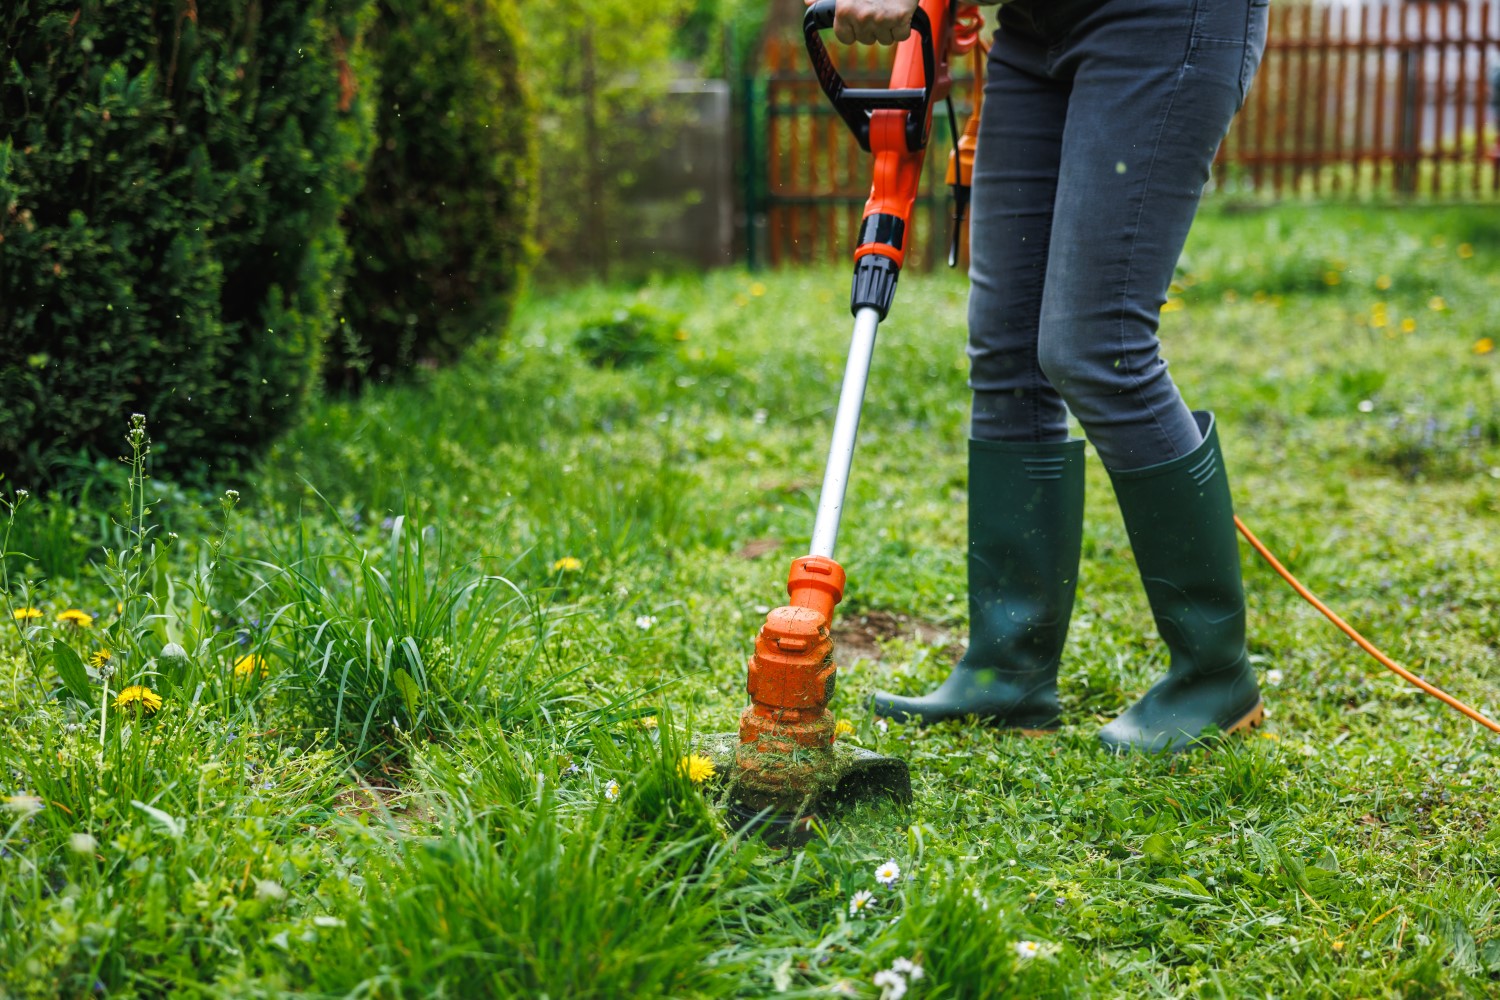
point(883, 22)
point(872, 22)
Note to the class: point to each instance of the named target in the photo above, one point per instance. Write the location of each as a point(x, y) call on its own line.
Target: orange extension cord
point(1364, 643)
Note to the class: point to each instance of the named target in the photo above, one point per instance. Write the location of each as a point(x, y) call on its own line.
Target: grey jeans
point(1101, 121)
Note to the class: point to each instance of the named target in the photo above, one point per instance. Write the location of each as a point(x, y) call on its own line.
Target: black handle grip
point(854, 104)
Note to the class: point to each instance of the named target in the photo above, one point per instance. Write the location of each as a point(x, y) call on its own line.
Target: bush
point(171, 180)
point(626, 337)
point(442, 231)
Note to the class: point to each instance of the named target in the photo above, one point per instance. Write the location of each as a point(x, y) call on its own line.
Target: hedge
point(442, 231)
point(171, 183)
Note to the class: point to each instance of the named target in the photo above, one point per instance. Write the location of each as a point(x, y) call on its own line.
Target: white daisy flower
point(888, 873)
point(645, 622)
point(859, 901)
point(1274, 677)
point(908, 968)
point(612, 790)
point(892, 984)
point(882, 725)
point(1027, 949)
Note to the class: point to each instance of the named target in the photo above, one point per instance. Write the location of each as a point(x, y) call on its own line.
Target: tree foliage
point(441, 233)
point(171, 180)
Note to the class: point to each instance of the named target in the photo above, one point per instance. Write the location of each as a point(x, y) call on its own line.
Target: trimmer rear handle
point(854, 104)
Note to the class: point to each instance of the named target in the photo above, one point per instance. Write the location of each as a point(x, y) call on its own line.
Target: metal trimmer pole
point(787, 759)
point(845, 431)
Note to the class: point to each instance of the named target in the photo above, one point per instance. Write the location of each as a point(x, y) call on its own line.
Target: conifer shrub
point(172, 176)
point(442, 231)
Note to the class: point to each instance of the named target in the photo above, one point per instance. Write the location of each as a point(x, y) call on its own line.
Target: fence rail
point(1353, 100)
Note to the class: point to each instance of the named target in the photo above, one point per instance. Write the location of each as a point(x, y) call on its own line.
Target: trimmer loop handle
point(854, 104)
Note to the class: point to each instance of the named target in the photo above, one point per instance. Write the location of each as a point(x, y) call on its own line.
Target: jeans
point(1101, 120)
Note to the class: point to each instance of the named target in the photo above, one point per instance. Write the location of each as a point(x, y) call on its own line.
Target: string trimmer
point(786, 760)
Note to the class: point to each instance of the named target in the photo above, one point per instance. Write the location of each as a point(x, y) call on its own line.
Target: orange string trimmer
point(1363, 643)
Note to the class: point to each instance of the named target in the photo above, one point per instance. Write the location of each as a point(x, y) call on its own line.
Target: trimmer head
point(846, 777)
point(786, 761)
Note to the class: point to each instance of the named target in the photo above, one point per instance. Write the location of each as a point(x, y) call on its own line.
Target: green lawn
point(441, 661)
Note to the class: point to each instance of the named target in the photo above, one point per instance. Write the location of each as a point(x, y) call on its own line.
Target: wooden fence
point(1372, 98)
point(1358, 99)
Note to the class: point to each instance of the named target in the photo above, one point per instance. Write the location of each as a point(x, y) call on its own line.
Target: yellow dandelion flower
point(1484, 345)
point(1466, 250)
point(1436, 304)
point(758, 289)
point(843, 728)
point(136, 694)
point(1408, 325)
point(567, 564)
point(1172, 305)
point(1383, 282)
point(100, 657)
point(76, 618)
point(649, 722)
point(26, 614)
point(249, 664)
point(1331, 278)
point(696, 768)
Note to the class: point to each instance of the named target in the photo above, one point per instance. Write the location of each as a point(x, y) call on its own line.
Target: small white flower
point(892, 984)
point(882, 725)
point(1027, 949)
point(612, 790)
point(979, 897)
point(327, 921)
point(908, 968)
point(888, 873)
point(859, 901)
point(644, 622)
point(267, 889)
point(26, 804)
point(1274, 677)
point(82, 843)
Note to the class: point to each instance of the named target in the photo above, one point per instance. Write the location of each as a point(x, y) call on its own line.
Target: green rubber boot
point(1181, 525)
point(1025, 533)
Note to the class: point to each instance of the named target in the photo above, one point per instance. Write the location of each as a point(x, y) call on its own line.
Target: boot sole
point(1250, 720)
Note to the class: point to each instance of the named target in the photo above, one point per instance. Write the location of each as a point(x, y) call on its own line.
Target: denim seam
point(1135, 377)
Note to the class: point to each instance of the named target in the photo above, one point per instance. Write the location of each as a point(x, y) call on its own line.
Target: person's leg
point(1010, 222)
point(1025, 477)
point(1155, 84)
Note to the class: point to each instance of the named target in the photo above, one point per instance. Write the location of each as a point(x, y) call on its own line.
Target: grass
point(487, 610)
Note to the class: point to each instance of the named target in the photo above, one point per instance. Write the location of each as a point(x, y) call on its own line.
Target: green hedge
point(171, 179)
point(442, 231)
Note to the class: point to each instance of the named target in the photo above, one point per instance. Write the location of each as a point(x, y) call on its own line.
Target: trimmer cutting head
point(786, 761)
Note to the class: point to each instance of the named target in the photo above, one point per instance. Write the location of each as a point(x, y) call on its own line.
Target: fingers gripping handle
point(854, 104)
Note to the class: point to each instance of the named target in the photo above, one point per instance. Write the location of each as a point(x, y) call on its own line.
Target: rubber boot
point(1181, 526)
point(1025, 533)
